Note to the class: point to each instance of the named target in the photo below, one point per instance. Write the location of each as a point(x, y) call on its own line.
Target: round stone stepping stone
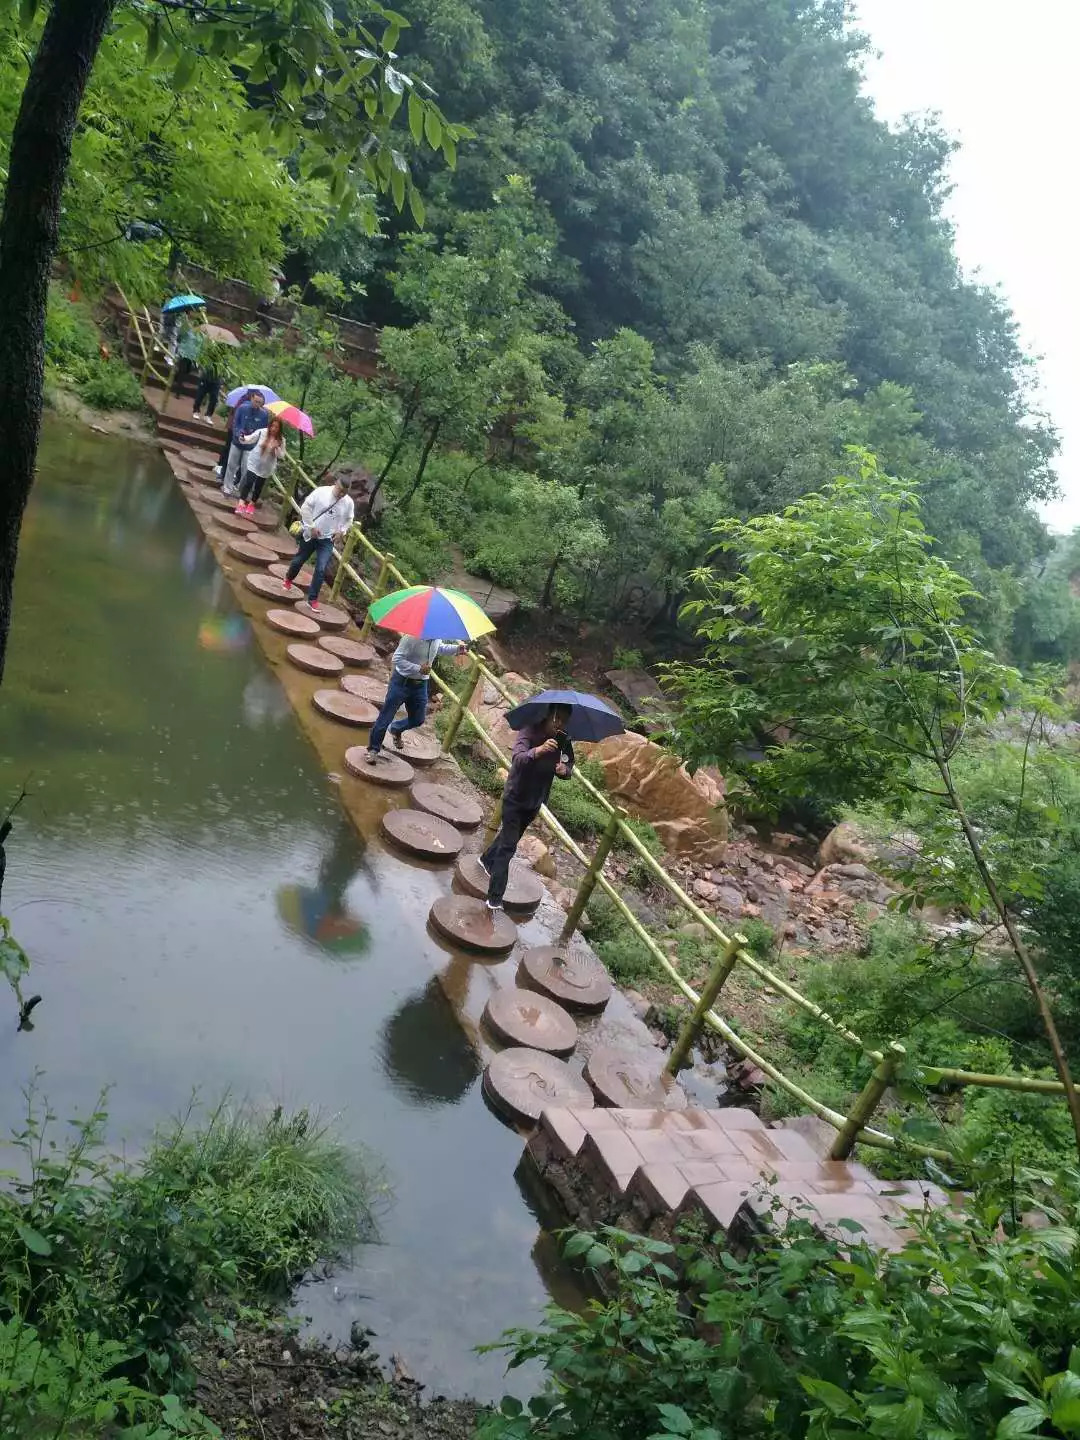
point(270, 589)
point(521, 1017)
point(218, 500)
point(249, 551)
point(279, 544)
point(353, 652)
point(422, 834)
point(524, 890)
point(632, 1082)
point(520, 1083)
point(572, 977)
point(302, 581)
point(347, 709)
point(202, 459)
point(421, 747)
point(388, 770)
point(311, 658)
point(368, 687)
point(289, 623)
point(328, 616)
point(469, 924)
point(238, 524)
point(447, 803)
point(265, 519)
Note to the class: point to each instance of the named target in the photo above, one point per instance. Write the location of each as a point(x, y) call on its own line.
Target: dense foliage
point(105, 1267)
point(966, 1333)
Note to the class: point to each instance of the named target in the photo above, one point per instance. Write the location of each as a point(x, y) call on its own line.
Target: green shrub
point(968, 1332)
point(109, 385)
point(627, 659)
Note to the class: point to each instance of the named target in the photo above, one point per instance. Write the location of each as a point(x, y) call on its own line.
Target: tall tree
point(327, 84)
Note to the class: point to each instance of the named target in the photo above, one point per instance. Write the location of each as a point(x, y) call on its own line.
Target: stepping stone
point(347, 709)
point(387, 770)
point(219, 501)
point(265, 519)
point(270, 589)
point(519, 1084)
point(289, 623)
point(302, 581)
point(353, 652)
point(523, 892)
point(207, 481)
point(422, 834)
point(571, 976)
point(632, 1082)
point(421, 747)
point(366, 686)
point(328, 616)
point(447, 803)
point(249, 551)
point(279, 544)
point(470, 925)
point(521, 1017)
point(311, 658)
point(201, 458)
point(239, 524)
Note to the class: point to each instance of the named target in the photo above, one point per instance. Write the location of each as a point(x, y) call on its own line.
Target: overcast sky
point(1003, 74)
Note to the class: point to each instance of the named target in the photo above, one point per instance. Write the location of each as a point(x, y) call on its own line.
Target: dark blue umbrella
point(590, 718)
point(182, 302)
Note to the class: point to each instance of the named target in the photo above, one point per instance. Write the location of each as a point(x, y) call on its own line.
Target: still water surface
point(202, 916)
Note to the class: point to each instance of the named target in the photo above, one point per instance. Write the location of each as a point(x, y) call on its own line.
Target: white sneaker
point(217, 471)
point(370, 756)
point(493, 908)
point(483, 867)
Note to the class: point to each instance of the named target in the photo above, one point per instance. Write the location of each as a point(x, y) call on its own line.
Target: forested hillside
point(707, 175)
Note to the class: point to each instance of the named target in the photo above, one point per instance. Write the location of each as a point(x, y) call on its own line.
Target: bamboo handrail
point(852, 1126)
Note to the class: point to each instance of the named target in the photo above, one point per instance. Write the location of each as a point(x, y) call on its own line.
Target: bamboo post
point(286, 504)
point(461, 704)
point(588, 883)
point(380, 587)
point(729, 958)
point(862, 1111)
point(343, 559)
point(168, 388)
point(494, 823)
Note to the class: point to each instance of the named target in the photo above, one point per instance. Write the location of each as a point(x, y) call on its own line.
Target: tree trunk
point(549, 582)
point(429, 445)
point(29, 234)
point(406, 421)
point(1020, 950)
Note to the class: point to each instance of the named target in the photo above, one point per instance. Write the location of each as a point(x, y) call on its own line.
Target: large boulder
point(686, 810)
point(851, 844)
point(490, 709)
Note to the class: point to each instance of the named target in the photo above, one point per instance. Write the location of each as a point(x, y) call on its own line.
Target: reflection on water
point(172, 801)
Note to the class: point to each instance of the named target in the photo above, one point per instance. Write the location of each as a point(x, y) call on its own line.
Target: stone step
point(724, 1166)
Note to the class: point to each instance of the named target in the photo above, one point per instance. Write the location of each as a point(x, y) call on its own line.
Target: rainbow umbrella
point(292, 416)
point(431, 613)
point(309, 913)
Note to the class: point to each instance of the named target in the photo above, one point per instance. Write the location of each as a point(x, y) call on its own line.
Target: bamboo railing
point(852, 1129)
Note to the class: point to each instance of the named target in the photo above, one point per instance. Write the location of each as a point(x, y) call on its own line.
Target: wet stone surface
point(422, 835)
point(520, 1083)
point(521, 1017)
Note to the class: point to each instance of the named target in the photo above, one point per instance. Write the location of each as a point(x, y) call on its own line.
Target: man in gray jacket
point(408, 686)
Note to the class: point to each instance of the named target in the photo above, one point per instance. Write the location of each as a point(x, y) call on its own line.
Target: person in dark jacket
point(541, 752)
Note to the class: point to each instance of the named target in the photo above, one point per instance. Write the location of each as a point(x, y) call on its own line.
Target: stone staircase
point(641, 1168)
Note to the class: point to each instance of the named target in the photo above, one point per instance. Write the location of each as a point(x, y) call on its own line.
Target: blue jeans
point(322, 550)
point(413, 694)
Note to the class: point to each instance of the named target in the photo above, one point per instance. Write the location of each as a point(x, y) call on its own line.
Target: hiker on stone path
point(209, 390)
point(268, 447)
point(541, 752)
point(327, 511)
point(409, 686)
point(188, 349)
point(251, 415)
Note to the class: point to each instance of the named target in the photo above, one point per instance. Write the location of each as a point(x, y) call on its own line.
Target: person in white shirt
point(327, 511)
point(408, 686)
point(268, 447)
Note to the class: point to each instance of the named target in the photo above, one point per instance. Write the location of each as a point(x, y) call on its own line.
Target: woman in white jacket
point(262, 461)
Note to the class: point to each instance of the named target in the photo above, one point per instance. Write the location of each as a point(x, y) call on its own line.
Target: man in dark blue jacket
point(251, 415)
point(541, 752)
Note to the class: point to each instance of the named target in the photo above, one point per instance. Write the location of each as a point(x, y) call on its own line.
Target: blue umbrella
point(235, 396)
point(182, 302)
point(590, 718)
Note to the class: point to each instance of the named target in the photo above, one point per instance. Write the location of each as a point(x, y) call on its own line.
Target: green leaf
point(34, 1240)
point(676, 1419)
point(416, 117)
point(449, 150)
point(433, 127)
point(416, 205)
point(27, 11)
point(835, 1400)
point(1024, 1420)
point(185, 70)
